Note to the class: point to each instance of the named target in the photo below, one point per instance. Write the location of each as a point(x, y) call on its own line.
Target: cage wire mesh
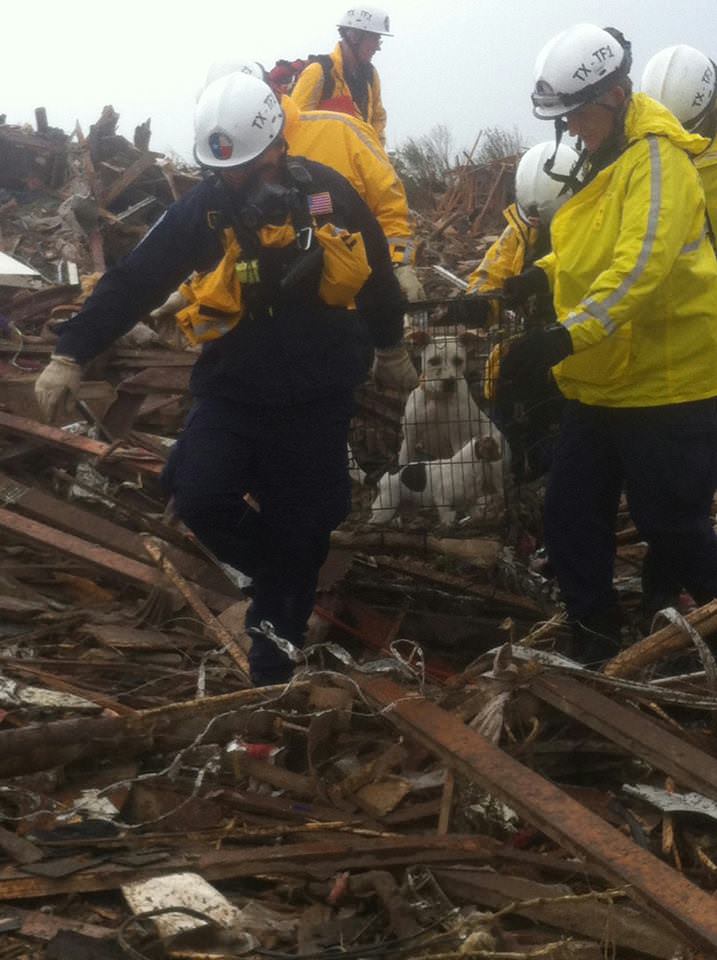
point(439, 452)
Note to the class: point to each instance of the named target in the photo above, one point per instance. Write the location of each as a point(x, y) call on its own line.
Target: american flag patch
point(320, 203)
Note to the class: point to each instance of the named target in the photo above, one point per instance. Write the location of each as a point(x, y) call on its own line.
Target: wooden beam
point(649, 881)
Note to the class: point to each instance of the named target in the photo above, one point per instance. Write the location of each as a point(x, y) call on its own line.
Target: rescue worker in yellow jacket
point(350, 83)
point(685, 81)
point(348, 145)
point(633, 277)
point(529, 423)
point(296, 292)
point(527, 234)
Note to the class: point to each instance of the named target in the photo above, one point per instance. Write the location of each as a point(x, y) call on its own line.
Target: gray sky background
point(465, 63)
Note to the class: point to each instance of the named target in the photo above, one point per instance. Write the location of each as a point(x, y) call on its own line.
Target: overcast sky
point(465, 63)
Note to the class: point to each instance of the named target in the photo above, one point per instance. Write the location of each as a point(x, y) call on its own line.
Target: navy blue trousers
point(665, 458)
point(294, 463)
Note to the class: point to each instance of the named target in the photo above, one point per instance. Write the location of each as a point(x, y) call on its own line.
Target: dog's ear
point(417, 337)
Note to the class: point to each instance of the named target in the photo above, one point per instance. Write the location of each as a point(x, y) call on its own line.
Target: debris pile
point(437, 780)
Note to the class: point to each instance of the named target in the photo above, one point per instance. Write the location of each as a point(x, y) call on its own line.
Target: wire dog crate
point(455, 450)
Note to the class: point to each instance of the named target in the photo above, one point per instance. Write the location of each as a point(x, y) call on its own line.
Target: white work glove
point(392, 367)
point(411, 286)
point(172, 305)
point(60, 378)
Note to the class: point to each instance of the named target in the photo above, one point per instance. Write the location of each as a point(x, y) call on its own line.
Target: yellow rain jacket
point(505, 258)
point(633, 273)
point(706, 163)
point(351, 147)
point(308, 94)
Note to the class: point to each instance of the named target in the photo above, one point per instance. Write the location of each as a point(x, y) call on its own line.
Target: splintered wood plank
point(648, 880)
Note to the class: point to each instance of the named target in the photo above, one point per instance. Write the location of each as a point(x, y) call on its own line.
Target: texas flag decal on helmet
point(221, 145)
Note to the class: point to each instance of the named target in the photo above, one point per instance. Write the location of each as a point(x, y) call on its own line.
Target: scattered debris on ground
point(437, 780)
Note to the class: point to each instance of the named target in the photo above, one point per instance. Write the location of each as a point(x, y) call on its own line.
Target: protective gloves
point(468, 312)
point(60, 378)
point(523, 285)
point(392, 367)
point(411, 286)
point(530, 357)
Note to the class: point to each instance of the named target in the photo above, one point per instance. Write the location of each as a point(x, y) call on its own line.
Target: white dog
point(470, 480)
point(440, 416)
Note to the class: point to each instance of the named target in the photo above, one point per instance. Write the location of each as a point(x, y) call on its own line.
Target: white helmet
point(237, 118)
point(577, 67)
point(536, 192)
point(368, 19)
point(683, 79)
point(222, 68)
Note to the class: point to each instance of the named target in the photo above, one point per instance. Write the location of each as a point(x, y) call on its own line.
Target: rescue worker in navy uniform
point(633, 277)
point(287, 251)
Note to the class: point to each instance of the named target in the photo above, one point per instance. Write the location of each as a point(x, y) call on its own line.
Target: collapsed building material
point(664, 643)
point(651, 882)
point(631, 729)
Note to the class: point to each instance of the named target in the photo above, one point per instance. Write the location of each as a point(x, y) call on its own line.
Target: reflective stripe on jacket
point(505, 258)
point(633, 274)
point(706, 163)
point(350, 147)
point(308, 93)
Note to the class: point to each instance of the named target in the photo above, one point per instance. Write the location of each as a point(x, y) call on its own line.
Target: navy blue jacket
point(299, 351)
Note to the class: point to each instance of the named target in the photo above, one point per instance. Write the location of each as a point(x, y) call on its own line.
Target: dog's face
point(443, 364)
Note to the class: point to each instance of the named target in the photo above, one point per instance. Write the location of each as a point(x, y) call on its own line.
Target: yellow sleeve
point(707, 166)
point(378, 120)
point(657, 222)
point(386, 199)
point(498, 263)
point(547, 265)
point(309, 87)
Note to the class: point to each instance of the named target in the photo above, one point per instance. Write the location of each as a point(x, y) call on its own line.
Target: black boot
point(598, 637)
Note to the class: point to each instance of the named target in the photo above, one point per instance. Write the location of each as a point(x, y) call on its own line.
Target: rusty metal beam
point(66, 517)
point(631, 729)
point(108, 561)
point(319, 859)
point(114, 565)
point(650, 882)
point(147, 465)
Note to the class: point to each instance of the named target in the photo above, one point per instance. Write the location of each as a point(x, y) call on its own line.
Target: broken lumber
point(650, 882)
point(631, 729)
point(663, 643)
point(44, 745)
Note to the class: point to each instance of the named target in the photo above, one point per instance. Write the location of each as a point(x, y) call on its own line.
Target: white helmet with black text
point(537, 193)
point(368, 19)
point(222, 68)
point(684, 80)
point(236, 118)
point(577, 67)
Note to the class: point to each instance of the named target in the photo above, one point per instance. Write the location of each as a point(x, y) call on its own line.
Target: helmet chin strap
point(570, 180)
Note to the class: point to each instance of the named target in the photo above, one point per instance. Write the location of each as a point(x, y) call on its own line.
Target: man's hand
point(523, 285)
point(411, 286)
point(60, 378)
point(530, 357)
point(392, 367)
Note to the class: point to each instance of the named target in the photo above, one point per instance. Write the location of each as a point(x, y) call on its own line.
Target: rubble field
point(437, 781)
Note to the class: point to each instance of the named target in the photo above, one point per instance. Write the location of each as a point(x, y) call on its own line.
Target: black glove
point(530, 357)
point(523, 285)
point(468, 312)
